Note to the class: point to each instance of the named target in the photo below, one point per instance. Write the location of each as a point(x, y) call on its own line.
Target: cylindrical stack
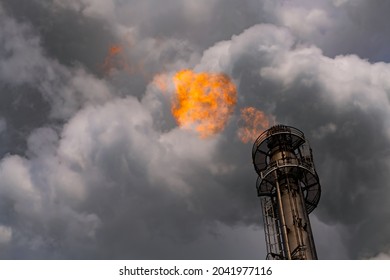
point(289, 189)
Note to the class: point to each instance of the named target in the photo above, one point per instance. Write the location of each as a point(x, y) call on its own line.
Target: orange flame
point(114, 50)
point(203, 101)
point(115, 59)
point(254, 123)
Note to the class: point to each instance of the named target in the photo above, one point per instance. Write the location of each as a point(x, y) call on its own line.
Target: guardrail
point(288, 162)
point(279, 129)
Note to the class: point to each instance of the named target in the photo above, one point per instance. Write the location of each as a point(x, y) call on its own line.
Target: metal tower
point(289, 188)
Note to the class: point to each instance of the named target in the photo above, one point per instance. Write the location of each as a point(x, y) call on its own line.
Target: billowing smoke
point(95, 163)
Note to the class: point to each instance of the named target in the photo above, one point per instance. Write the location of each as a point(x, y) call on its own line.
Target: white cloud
point(347, 80)
point(305, 22)
point(17, 185)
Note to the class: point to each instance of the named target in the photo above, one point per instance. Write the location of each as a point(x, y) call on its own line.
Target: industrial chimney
point(289, 188)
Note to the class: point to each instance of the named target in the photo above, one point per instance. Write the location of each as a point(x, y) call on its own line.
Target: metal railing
point(288, 162)
point(279, 129)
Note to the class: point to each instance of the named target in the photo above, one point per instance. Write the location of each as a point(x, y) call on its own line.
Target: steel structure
point(289, 188)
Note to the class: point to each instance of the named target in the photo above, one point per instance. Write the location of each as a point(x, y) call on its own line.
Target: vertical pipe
point(295, 215)
point(309, 233)
point(282, 219)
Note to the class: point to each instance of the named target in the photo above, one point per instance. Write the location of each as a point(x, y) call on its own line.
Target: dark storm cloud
point(201, 22)
point(65, 35)
point(104, 172)
point(32, 82)
point(19, 56)
point(366, 26)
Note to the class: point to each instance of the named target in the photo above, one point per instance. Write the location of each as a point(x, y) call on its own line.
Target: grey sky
point(94, 166)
